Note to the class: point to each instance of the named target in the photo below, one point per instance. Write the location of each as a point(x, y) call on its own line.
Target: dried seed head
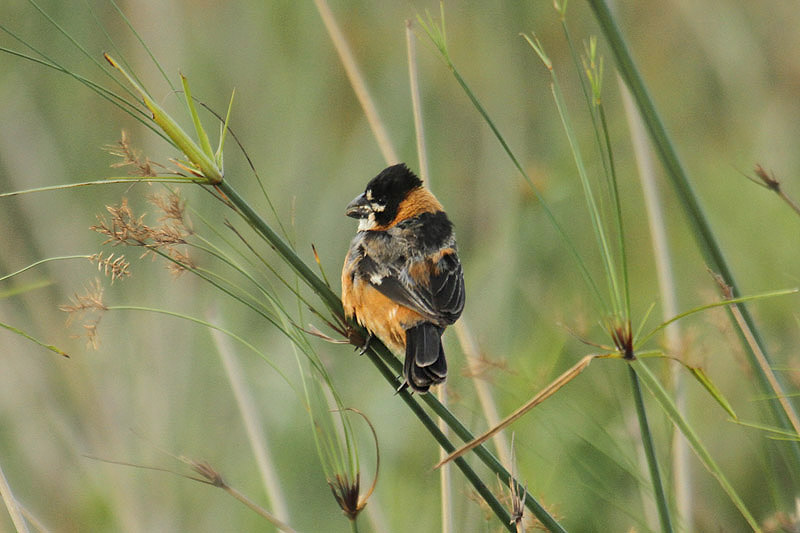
point(622, 335)
point(90, 300)
point(88, 306)
point(131, 158)
point(206, 471)
point(90, 331)
point(346, 493)
point(182, 263)
point(517, 490)
point(173, 209)
point(122, 227)
point(111, 266)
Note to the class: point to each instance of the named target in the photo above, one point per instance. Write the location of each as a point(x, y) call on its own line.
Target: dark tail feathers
point(425, 364)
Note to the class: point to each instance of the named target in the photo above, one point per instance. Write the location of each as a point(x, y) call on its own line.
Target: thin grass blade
point(21, 333)
point(671, 410)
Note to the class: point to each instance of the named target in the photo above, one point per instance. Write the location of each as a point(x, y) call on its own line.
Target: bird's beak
point(359, 207)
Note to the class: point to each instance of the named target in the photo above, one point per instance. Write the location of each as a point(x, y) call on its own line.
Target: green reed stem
point(650, 453)
point(441, 438)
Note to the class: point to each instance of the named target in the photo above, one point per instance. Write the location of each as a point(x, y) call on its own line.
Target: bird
point(402, 279)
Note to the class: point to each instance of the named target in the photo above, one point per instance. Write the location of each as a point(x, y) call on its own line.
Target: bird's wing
point(434, 290)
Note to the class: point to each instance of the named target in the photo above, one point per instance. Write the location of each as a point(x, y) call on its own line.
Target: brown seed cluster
point(113, 267)
point(346, 493)
point(123, 227)
point(131, 158)
point(88, 306)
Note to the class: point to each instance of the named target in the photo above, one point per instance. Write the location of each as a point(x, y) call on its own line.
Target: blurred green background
point(725, 76)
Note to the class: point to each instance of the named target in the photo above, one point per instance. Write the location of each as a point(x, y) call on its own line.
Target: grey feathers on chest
point(398, 248)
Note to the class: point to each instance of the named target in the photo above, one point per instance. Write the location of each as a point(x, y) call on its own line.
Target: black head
point(377, 206)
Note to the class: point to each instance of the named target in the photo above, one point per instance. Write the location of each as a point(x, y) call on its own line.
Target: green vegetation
point(231, 367)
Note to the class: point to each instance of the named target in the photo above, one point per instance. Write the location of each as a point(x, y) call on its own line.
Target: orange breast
point(382, 316)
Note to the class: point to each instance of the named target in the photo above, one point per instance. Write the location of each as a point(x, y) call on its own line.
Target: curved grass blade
point(128, 107)
point(722, 303)
point(110, 181)
point(700, 375)
point(21, 333)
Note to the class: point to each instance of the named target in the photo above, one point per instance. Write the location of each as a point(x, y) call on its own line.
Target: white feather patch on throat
point(368, 223)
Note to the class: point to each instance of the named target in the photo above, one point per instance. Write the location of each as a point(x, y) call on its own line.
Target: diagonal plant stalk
point(252, 422)
point(707, 242)
point(356, 81)
point(488, 405)
point(202, 163)
point(388, 366)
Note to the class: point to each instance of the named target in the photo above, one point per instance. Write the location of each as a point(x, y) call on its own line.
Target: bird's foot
point(403, 386)
point(363, 349)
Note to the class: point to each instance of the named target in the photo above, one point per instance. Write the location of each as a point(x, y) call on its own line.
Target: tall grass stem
point(416, 105)
point(649, 450)
point(681, 471)
point(357, 81)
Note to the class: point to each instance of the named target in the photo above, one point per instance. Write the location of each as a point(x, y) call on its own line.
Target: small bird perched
point(402, 279)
